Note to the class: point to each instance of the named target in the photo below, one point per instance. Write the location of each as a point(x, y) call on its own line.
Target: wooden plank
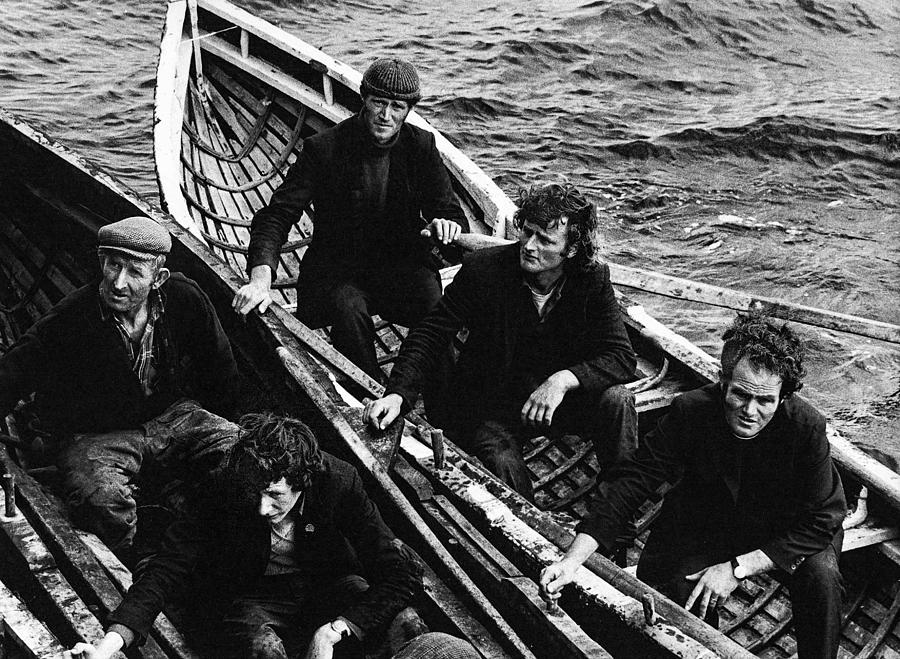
point(868, 534)
point(538, 538)
point(551, 634)
point(78, 565)
point(24, 631)
point(694, 291)
point(172, 76)
point(25, 549)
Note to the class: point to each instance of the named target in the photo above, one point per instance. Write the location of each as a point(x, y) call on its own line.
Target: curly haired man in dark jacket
point(546, 352)
point(288, 550)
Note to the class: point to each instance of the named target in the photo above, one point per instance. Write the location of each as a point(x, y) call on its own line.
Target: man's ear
point(162, 276)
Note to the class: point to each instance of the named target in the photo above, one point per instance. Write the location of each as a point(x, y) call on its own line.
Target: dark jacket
point(778, 492)
point(339, 532)
point(77, 366)
point(329, 173)
point(584, 333)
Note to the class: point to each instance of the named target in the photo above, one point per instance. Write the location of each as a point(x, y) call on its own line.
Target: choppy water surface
point(748, 144)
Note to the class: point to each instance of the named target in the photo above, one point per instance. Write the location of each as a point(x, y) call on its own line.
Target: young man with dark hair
point(288, 548)
point(547, 350)
point(375, 182)
point(755, 491)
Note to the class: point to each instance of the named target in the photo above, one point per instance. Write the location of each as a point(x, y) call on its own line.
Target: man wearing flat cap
point(376, 183)
point(123, 371)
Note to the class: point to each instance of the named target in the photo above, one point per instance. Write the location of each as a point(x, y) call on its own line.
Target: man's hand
point(105, 649)
point(555, 576)
point(443, 231)
point(255, 294)
point(714, 585)
point(382, 412)
point(543, 401)
point(322, 644)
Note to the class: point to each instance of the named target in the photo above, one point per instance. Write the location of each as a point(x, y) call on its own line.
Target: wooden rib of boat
point(235, 96)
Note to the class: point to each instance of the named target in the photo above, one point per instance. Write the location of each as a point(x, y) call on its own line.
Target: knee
point(617, 397)
point(265, 644)
point(820, 572)
point(348, 301)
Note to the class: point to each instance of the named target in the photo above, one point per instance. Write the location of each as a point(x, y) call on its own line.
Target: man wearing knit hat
point(119, 369)
point(375, 182)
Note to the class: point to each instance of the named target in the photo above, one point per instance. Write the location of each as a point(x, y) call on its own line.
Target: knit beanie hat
point(139, 237)
point(392, 78)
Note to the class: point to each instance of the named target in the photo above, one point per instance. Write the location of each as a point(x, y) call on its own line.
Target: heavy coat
point(584, 333)
point(778, 492)
point(76, 364)
point(329, 173)
point(339, 532)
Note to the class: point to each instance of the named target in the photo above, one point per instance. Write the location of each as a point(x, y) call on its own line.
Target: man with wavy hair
point(755, 491)
point(289, 552)
point(547, 350)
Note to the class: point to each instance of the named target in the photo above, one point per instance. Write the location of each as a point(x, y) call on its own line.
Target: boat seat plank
point(23, 631)
point(870, 533)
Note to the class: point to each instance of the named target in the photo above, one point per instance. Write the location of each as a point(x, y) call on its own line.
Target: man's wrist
point(261, 274)
point(565, 380)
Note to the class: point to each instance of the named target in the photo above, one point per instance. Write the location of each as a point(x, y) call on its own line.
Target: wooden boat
point(235, 96)
point(56, 583)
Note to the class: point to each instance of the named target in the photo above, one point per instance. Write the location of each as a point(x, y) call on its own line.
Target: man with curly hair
point(288, 551)
point(546, 352)
point(755, 491)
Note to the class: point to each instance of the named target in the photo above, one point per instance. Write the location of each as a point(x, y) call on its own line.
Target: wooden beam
point(694, 291)
point(24, 631)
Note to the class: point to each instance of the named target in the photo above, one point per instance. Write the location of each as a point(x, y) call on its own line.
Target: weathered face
point(544, 250)
point(752, 396)
point(277, 500)
point(383, 117)
point(126, 282)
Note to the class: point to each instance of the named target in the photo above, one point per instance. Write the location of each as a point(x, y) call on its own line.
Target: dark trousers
point(816, 589)
point(402, 294)
point(278, 616)
point(608, 418)
point(100, 471)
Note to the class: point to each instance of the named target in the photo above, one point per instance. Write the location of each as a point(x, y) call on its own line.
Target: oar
point(694, 291)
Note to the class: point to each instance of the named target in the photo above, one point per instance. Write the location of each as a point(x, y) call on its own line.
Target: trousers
point(608, 418)
point(816, 590)
point(100, 472)
point(278, 616)
point(402, 294)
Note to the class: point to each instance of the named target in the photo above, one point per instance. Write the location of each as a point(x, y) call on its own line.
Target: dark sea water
point(748, 144)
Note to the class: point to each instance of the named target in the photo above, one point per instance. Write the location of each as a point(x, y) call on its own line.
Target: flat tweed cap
point(140, 237)
point(392, 78)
